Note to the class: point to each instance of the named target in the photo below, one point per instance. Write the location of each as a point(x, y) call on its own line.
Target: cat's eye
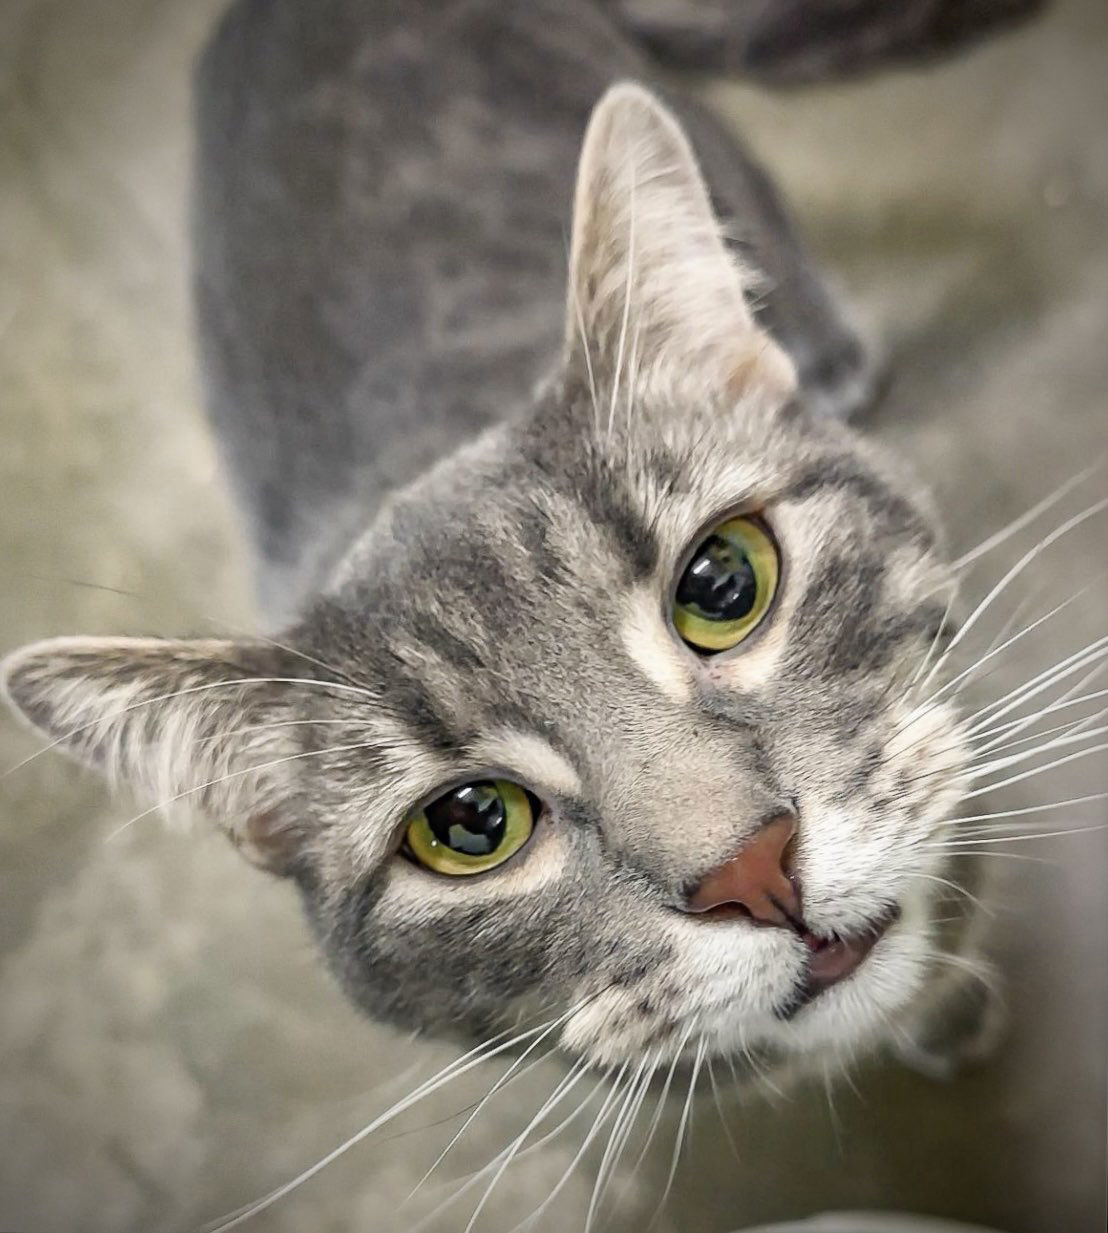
point(471, 828)
point(727, 586)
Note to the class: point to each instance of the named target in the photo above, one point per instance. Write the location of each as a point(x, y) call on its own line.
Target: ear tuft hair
point(650, 273)
point(185, 723)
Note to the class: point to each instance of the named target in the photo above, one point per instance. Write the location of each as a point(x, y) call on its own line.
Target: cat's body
point(403, 170)
point(478, 501)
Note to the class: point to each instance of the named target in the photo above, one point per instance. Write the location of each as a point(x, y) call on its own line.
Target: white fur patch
point(534, 760)
point(653, 646)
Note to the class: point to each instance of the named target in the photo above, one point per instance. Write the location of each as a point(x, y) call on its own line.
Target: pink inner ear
point(269, 842)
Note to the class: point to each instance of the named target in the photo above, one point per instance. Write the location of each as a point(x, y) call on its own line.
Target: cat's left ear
point(199, 724)
point(653, 288)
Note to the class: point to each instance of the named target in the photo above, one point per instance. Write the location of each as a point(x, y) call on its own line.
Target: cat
point(608, 691)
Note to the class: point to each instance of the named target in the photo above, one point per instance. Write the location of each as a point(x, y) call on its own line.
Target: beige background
point(169, 1047)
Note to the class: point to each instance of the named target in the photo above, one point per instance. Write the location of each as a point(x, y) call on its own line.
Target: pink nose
point(757, 878)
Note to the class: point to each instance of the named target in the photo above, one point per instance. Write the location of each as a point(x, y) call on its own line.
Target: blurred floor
point(169, 1047)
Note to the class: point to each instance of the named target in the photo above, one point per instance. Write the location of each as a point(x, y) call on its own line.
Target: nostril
point(758, 881)
point(727, 911)
point(788, 855)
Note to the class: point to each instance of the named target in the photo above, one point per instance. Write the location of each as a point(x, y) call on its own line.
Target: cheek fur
point(711, 983)
point(863, 853)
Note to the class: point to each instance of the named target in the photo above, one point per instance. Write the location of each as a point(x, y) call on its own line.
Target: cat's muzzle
point(759, 885)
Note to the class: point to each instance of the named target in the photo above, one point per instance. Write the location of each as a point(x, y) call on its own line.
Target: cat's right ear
point(654, 291)
point(200, 724)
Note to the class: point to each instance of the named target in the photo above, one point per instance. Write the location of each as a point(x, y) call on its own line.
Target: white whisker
point(1025, 721)
point(505, 1158)
point(1037, 770)
point(925, 662)
point(598, 1123)
point(832, 1111)
point(572, 1117)
point(617, 1140)
point(497, 1087)
point(1025, 519)
point(221, 625)
point(632, 381)
point(181, 693)
point(587, 350)
point(1026, 857)
point(475, 1057)
point(760, 1072)
point(1047, 679)
point(1059, 742)
point(209, 738)
point(991, 654)
point(954, 886)
point(656, 1117)
point(579, 1068)
point(1013, 573)
point(960, 843)
point(1017, 615)
point(719, 1109)
point(246, 770)
point(630, 280)
point(1069, 697)
point(999, 745)
point(682, 1126)
point(964, 826)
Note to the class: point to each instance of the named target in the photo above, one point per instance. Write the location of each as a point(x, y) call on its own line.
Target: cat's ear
point(654, 289)
point(183, 723)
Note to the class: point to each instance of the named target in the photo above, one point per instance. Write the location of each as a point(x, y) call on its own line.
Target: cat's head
point(647, 649)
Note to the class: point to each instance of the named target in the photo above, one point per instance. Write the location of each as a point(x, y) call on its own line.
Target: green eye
point(727, 587)
point(471, 828)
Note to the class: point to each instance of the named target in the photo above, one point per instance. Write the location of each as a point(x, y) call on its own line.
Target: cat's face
point(515, 617)
point(523, 631)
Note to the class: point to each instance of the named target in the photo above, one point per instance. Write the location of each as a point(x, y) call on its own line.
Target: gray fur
point(403, 171)
point(788, 42)
point(471, 494)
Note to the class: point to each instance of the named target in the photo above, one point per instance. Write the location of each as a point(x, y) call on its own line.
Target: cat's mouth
point(834, 958)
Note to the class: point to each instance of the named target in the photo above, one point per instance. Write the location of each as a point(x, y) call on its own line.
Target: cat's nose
point(758, 879)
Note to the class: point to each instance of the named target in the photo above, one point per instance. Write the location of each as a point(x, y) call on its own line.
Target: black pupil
point(471, 819)
point(719, 582)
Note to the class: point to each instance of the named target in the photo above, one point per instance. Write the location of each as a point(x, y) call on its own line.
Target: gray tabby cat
point(604, 692)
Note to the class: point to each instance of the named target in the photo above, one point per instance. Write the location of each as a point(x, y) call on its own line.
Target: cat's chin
point(835, 958)
point(856, 1012)
point(764, 997)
